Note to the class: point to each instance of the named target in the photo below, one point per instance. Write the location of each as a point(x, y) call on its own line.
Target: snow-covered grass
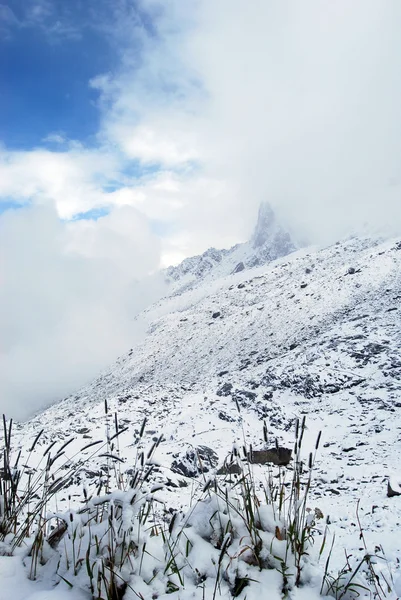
point(239, 538)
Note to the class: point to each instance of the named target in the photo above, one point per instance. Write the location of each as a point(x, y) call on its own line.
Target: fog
point(69, 296)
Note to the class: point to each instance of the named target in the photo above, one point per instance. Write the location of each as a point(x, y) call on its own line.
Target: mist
point(70, 293)
point(293, 103)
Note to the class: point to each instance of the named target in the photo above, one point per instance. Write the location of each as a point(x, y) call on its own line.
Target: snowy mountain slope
point(316, 333)
point(268, 242)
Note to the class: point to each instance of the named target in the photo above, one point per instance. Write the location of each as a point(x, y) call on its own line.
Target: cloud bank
point(69, 296)
point(213, 108)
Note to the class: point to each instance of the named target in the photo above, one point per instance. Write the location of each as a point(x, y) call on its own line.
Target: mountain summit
point(268, 242)
point(269, 231)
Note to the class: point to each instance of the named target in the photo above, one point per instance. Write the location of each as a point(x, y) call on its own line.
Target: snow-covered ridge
point(316, 333)
point(268, 242)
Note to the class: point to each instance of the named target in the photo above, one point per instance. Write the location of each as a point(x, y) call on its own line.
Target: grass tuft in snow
point(240, 538)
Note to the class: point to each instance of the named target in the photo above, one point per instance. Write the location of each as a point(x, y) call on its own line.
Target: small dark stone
point(216, 314)
point(225, 389)
point(391, 492)
point(224, 417)
point(240, 286)
point(303, 285)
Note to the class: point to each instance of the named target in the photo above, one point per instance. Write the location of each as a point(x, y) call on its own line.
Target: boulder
point(240, 267)
point(393, 488)
point(195, 461)
point(277, 456)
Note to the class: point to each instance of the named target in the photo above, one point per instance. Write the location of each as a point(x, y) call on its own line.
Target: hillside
point(314, 333)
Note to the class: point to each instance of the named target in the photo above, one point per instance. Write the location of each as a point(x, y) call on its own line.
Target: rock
point(351, 271)
point(195, 461)
point(303, 286)
point(216, 314)
point(276, 456)
point(225, 389)
point(393, 489)
point(240, 267)
point(224, 417)
point(230, 469)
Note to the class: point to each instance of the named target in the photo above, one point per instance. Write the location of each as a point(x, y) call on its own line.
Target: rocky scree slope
point(317, 333)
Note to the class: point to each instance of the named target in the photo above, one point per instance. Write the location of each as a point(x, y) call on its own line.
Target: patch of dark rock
point(392, 309)
point(352, 271)
point(253, 384)
point(391, 492)
point(225, 389)
point(82, 430)
point(194, 461)
point(350, 449)
point(293, 346)
point(224, 417)
point(241, 286)
point(222, 373)
point(216, 314)
point(276, 456)
point(229, 469)
point(240, 267)
point(91, 474)
point(303, 285)
point(334, 491)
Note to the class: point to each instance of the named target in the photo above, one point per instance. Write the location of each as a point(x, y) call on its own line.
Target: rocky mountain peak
point(268, 242)
point(265, 225)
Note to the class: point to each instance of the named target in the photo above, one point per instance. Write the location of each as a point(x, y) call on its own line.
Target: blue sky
point(47, 59)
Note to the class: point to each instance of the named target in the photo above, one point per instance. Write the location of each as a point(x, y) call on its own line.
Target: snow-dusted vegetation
point(239, 537)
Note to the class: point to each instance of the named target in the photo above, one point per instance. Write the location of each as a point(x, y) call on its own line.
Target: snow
point(328, 350)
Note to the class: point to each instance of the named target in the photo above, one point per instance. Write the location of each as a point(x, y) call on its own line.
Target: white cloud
point(55, 138)
point(72, 179)
point(70, 294)
point(292, 102)
point(215, 107)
